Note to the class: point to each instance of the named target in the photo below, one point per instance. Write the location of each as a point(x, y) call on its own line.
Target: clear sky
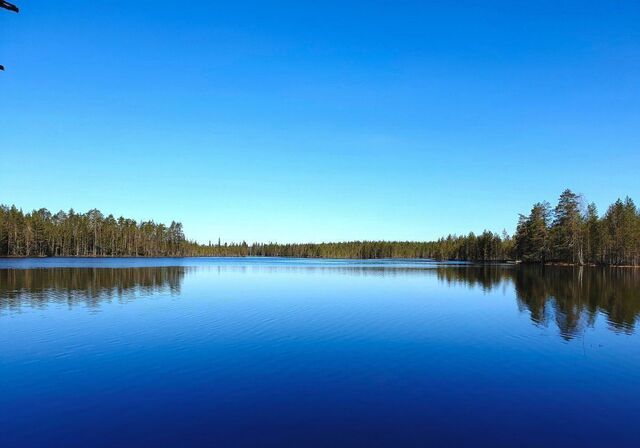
point(316, 121)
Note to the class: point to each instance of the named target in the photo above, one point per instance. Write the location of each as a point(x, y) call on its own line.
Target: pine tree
point(567, 229)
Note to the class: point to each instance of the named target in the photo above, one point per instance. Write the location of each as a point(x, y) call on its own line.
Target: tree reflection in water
point(90, 286)
point(570, 297)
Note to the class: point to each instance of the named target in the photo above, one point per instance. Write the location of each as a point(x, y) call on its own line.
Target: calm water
point(295, 353)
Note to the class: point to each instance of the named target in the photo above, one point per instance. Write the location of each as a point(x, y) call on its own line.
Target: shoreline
point(491, 262)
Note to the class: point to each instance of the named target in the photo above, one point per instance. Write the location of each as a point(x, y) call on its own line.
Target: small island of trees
point(570, 232)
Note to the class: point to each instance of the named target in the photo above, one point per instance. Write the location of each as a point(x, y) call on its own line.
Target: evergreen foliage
point(568, 233)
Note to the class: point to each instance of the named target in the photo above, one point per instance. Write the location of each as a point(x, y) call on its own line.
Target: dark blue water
point(306, 353)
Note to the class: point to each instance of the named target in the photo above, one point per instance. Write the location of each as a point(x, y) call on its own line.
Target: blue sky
point(316, 121)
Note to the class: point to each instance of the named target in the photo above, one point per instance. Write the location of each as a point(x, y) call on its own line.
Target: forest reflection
point(88, 286)
point(569, 297)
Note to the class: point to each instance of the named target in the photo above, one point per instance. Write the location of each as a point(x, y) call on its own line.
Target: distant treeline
point(569, 233)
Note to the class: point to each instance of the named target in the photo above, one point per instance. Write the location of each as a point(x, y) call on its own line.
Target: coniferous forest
point(571, 232)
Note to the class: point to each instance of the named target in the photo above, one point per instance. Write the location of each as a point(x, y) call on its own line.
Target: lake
point(268, 352)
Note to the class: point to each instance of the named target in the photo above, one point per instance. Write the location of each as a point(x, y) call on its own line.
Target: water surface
point(275, 352)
